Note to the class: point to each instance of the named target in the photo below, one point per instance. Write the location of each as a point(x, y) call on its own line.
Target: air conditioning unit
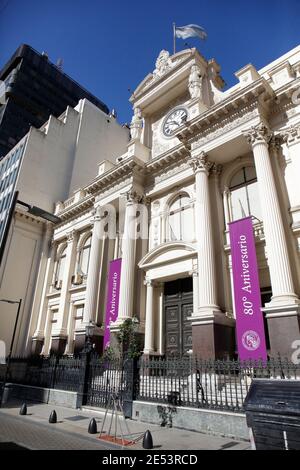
point(77, 279)
point(58, 284)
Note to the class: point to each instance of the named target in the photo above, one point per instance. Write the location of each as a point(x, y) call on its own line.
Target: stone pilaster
point(194, 275)
point(59, 335)
point(161, 318)
point(39, 310)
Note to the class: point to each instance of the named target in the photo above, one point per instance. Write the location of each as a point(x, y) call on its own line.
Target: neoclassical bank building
point(198, 159)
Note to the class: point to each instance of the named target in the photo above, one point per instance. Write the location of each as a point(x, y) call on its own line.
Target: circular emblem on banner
point(251, 340)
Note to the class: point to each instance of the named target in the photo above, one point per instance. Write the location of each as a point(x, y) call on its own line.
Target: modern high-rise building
point(32, 89)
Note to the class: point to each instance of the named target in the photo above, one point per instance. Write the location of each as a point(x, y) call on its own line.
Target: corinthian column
point(212, 331)
point(92, 283)
point(276, 244)
point(207, 292)
point(128, 257)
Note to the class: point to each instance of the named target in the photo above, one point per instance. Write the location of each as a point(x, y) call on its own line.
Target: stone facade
point(223, 155)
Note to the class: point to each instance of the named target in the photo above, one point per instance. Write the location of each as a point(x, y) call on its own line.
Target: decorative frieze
point(171, 171)
point(292, 134)
point(222, 126)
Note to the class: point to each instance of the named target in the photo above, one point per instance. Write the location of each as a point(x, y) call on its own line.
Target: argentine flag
point(190, 30)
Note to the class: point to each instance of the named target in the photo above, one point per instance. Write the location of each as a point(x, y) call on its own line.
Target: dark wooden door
point(178, 306)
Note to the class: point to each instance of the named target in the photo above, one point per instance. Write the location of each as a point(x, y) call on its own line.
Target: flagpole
point(174, 38)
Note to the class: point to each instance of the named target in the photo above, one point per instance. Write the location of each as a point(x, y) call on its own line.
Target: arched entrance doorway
point(171, 298)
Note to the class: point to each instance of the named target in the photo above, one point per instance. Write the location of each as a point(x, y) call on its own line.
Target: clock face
point(174, 120)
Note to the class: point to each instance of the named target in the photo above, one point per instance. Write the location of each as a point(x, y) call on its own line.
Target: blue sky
point(109, 46)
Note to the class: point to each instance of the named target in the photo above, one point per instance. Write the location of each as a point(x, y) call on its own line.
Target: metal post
point(174, 38)
point(10, 349)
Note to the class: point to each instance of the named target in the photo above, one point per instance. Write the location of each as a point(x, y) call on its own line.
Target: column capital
point(71, 236)
point(133, 197)
point(276, 142)
point(194, 273)
point(259, 134)
point(216, 169)
point(96, 215)
point(276, 149)
point(200, 163)
point(148, 282)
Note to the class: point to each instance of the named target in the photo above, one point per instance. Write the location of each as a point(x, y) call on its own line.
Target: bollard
point(92, 427)
point(148, 441)
point(23, 409)
point(53, 417)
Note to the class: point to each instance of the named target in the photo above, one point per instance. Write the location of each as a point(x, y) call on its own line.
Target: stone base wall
point(42, 395)
point(218, 423)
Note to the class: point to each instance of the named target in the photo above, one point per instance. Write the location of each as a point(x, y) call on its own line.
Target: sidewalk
point(34, 431)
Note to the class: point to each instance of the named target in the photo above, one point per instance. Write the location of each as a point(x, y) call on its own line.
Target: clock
point(175, 119)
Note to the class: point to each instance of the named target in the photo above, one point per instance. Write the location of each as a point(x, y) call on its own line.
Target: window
point(84, 257)
point(78, 318)
point(51, 324)
point(180, 219)
point(60, 266)
point(244, 195)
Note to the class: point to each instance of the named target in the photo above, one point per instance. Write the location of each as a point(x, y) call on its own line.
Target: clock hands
point(174, 121)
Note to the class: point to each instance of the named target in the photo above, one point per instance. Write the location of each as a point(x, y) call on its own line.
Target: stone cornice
point(115, 174)
point(79, 207)
point(232, 106)
point(24, 216)
point(166, 159)
point(109, 179)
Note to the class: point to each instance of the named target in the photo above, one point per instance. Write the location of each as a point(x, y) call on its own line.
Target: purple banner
point(249, 319)
point(112, 301)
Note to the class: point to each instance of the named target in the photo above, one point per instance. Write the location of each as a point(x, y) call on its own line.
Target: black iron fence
point(220, 385)
point(64, 373)
point(105, 377)
point(188, 381)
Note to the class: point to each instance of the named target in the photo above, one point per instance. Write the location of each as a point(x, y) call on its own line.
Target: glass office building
point(9, 170)
point(34, 89)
